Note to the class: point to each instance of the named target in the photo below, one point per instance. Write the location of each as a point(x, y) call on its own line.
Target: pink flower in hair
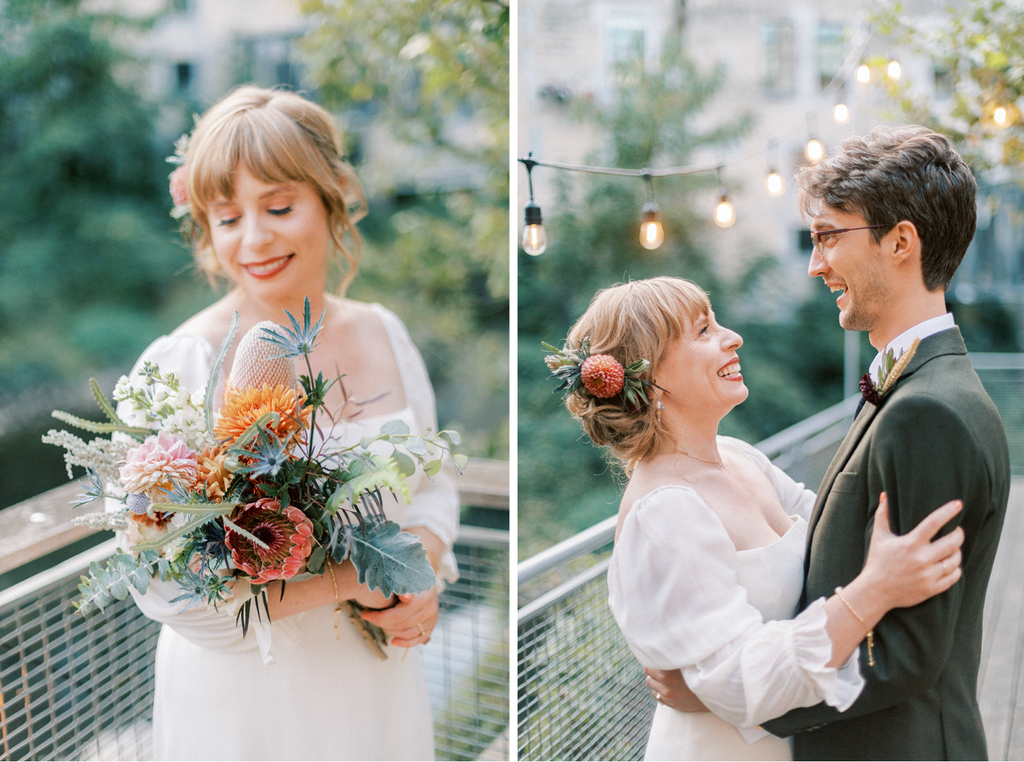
point(179, 185)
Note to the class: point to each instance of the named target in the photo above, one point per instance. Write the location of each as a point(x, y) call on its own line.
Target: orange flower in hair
point(602, 375)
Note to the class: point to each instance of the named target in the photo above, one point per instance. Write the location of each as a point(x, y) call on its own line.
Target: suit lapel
point(842, 457)
point(943, 343)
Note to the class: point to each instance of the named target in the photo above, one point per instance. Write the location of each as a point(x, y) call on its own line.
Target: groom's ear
point(905, 244)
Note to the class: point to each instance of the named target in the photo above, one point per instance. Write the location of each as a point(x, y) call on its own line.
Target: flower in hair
point(602, 375)
point(179, 185)
point(599, 375)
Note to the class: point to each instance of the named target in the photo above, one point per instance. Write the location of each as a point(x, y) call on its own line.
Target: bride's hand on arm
point(411, 621)
point(672, 691)
point(900, 571)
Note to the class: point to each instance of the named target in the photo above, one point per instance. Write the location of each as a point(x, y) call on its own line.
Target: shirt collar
point(902, 343)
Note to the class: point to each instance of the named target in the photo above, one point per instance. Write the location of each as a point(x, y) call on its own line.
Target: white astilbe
point(113, 521)
point(101, 455)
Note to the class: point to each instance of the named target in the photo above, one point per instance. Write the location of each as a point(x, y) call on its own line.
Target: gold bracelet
point(871, 632)
point(337, 602)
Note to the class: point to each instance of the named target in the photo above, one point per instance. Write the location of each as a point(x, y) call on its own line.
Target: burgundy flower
point(869, 391)
point(287, 533)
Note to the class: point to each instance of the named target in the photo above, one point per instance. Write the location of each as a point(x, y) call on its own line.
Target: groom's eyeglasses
point(820, 237)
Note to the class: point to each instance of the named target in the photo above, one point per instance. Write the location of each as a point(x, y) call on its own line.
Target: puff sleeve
point(435, 505)
point(675, 592)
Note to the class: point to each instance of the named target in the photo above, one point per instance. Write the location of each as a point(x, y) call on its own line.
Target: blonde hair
point(632, 321)
point(277, 136)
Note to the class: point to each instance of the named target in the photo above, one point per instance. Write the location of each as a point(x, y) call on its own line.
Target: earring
point(660, 408)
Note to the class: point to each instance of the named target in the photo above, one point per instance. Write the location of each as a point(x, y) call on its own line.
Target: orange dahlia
point(243, 407)
point(212, 472)
point(602, 375)
point(287, 533)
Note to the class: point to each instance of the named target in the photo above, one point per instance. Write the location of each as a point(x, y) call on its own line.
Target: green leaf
point(202, 509)
point(405, 465)
point(460, 461)
point(109, 583)
point(211, 384)
point(417, 446)
point(315, 562)
point(390, 560)
point(396, 426)
point(181, 531)
point(433, 467)
point(100, 428)
point(452, 436)
point(105, 406)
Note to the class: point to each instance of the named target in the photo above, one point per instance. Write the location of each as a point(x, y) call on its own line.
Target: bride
point(708, 564)
point(272, 202)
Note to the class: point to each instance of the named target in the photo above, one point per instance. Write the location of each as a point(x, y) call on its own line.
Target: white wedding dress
point(291, 690)
point(686, 598)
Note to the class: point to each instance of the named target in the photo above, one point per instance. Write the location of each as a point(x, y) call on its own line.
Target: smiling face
point(271, 239)
point(853, 267)
point(700, 372)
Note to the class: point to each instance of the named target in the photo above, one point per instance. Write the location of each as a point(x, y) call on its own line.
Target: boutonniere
point(889, 372)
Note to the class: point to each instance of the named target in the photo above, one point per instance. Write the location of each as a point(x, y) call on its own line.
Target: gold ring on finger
point(658, 697)
point(945, 569)
point(422, 631)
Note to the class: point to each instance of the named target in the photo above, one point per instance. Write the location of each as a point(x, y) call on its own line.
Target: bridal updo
point(632, 321)
point(278, 136)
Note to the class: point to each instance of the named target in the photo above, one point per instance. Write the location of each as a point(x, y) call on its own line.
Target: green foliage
point(113, 581)
point(388, 559)
point(435, 75)
point(84, 232)
point(980, 48)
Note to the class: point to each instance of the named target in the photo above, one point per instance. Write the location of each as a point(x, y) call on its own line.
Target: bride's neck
point(698, 438)
point(260, 310)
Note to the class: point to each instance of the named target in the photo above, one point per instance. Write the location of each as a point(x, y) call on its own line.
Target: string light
point(535, 238)
point(894, 70)
point(999, 116)
point(652, 234)
point(814, 150)
point(775, 184)
point(725, 215)
point(863, 74)
point(841, 113)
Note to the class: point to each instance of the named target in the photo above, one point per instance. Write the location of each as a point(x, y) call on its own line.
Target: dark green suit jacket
point(936, 437)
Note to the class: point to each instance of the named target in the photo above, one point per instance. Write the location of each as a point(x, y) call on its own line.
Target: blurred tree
point(979, 56)
point(88, 253)
point(86, 245)
point(435, 75)
point(565, 484)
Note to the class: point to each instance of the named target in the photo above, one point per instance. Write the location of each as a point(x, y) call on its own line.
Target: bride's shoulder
point(209, 325)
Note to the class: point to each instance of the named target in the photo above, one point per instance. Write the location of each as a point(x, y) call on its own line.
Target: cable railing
point(81, 687)
point(581, 693)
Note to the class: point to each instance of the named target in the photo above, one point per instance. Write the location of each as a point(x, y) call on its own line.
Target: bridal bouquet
point(226, 503)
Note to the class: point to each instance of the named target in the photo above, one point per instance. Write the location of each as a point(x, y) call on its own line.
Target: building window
point(624, 48)
point(831, 51)
point(183, 75)
point(777, 37)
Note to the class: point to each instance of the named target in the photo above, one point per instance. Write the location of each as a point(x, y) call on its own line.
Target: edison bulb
point(535, 239)
point(725, 215)
point(894, 70)
point(775, 184)
point(841, 113)
point(814, 150)
point(652, 234)
point(999, 116)
point(863, 74)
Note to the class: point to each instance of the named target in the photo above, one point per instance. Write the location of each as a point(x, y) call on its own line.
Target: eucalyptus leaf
point(396, 426)
point(460, 461)
point(406, 466)
point(390, 560)
point(433, 467)
point(417, 446)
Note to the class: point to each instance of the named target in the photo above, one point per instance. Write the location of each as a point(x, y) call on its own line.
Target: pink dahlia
point(287, 533)
point(179, 185)
point(151, 467)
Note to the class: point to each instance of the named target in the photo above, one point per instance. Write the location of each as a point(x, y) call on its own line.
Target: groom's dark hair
point(908, 173)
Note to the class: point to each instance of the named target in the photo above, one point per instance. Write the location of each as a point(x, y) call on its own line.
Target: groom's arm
point(922, 454)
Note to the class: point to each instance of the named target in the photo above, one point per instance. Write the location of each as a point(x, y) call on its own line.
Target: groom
point(891, 218)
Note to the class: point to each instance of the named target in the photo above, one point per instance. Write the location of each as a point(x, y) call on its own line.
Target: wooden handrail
point(42, 524)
